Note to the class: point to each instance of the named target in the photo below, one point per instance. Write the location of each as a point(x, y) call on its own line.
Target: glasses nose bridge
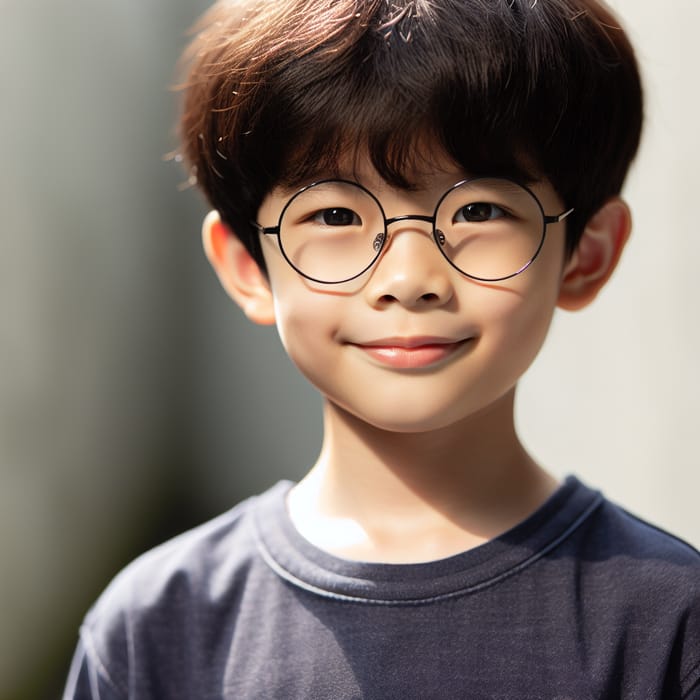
point(388, 221)
point(410, 217)
point(383, 240)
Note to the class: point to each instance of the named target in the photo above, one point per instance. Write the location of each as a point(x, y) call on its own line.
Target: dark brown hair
point(277, 90)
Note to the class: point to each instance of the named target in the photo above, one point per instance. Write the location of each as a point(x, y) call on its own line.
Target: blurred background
point(135, 400)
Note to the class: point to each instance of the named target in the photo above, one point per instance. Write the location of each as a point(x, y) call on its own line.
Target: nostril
point(427, 298)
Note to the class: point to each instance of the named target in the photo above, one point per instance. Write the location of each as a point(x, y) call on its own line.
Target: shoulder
point(628, 571)
point(635, 589)
point(167, 593)
point(616, 546)
point(602, 540)
point(644, 580)
point(187, 562)
point(614, 533)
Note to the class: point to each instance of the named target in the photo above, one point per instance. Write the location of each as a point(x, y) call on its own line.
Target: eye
point(336, 216)
point(479, 211)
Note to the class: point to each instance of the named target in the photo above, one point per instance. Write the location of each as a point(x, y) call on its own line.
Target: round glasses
point(490, 229)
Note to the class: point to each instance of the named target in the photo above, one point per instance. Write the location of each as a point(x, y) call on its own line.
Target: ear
point(596, 255)
point(238, 272)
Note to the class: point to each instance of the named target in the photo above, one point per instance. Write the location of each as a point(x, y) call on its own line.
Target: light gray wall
point(131, 387)
point(615, 394)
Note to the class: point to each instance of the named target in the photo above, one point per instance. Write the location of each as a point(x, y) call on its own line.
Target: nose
point(411, 270)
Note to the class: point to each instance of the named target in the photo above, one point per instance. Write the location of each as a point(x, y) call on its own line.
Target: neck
point(381, 495)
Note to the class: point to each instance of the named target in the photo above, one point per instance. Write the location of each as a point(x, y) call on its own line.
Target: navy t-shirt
point(580, 601)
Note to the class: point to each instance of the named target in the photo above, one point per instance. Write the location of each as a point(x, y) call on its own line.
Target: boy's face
point(413, 345)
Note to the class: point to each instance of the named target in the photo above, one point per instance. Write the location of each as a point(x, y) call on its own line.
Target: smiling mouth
point(413, 354)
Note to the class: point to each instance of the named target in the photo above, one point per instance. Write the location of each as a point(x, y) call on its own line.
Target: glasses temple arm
point(557, 217)
point(265, 229)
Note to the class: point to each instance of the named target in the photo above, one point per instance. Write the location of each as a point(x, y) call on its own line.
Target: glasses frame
point(383, 236)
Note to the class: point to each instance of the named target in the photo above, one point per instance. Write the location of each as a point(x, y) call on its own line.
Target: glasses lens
point(332, 231)
point(489, 228)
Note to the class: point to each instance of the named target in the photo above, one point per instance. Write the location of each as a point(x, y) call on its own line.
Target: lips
point(412, 353)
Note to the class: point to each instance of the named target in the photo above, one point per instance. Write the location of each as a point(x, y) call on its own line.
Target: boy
point(408, 189)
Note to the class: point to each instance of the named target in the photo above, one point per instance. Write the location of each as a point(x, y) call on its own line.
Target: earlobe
point(239, 274)
point(596, 255)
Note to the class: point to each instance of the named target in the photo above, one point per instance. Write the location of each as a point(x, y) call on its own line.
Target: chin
point(403, 421)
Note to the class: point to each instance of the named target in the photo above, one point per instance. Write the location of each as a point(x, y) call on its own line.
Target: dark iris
point(339, 217)
point(481, 211)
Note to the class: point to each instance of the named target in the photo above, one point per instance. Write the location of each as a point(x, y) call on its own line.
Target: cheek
point(307, 323)
point(294, 323)
point(516, 321)
point(307, 318)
